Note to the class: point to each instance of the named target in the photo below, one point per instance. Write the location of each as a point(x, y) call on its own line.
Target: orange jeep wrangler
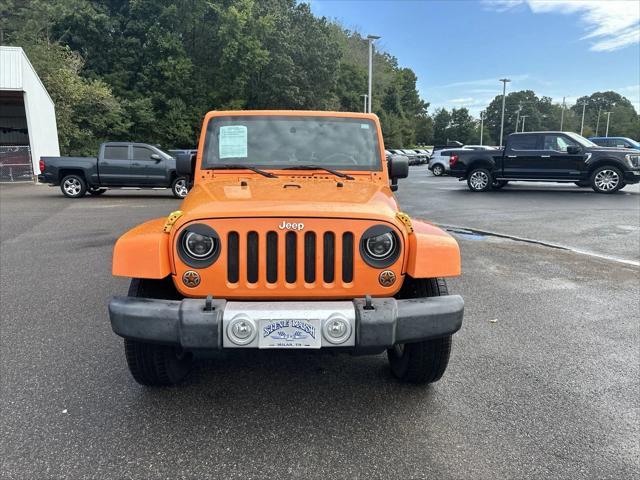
point(290, 238)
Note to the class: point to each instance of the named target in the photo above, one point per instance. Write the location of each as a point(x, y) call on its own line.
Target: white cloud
point(610, 24)
point(482, 82)
point(462, 101)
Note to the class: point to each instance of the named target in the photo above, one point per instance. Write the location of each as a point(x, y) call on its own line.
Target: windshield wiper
point(241, 167)
point(317, 167)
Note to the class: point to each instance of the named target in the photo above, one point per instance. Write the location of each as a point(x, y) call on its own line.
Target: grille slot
point(290, 257)
point(272, 257)
point(329, 257)
point(233, 261)
point(347, 257)
point(310, 257)
point(252, 257)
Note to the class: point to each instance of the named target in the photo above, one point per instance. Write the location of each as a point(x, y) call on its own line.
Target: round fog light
point(241, 331)
point(336, 330)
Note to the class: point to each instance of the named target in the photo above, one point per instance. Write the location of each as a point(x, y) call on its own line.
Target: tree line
point(148, 70)
point(525, 111)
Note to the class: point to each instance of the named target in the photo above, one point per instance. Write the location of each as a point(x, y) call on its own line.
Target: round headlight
point(380, 246)
point(199, 246)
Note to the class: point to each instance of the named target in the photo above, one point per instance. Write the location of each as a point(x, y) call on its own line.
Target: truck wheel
point(179, 187)
point(479, 180)
point(498, 184)
point(421, 362)
point(606, 179)
point(438, 170)
point(151, 364)
point(73, 186)
point(97, 191)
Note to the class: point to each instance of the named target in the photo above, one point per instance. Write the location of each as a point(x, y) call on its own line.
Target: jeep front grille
point(306, 249)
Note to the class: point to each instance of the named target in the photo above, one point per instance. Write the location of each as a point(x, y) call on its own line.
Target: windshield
point(581, 140)
point(288, 141)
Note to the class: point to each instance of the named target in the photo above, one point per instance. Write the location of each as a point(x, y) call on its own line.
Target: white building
point(27, 113)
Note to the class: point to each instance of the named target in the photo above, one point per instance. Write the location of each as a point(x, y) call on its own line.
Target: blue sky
point(459, 49)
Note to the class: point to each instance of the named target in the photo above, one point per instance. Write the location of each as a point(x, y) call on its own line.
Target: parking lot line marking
point(467, 230)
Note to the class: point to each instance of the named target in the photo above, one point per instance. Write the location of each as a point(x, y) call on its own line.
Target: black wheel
point(421, 362)
point(583, 184)
point(151, 364)
point(179, 187)
point(73, 186)
point(438, 170)
point(97, 191)
point(606, 179)
point(498, 184)
point(479, 180)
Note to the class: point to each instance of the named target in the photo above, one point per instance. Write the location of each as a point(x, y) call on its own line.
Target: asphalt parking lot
point(543, 380)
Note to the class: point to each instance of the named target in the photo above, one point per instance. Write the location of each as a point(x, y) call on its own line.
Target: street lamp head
point(505, 80)
point(372, 37)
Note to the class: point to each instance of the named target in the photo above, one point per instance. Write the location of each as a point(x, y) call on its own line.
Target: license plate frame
point(289, 334)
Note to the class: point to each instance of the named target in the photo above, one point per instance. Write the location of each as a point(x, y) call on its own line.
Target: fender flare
point(433, 253)
point(143, 252)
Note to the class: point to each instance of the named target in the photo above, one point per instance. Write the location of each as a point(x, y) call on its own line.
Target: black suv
point(547, 157)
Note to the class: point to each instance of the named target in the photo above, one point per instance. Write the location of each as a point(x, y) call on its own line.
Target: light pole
point(365, 96)
point(504, 92)
point(524, 117)
point(371, 39)
point(608, 117)
point(598, 121)
point(518, 118)
point(481, 126)
point(584, 105)
point(562, 114)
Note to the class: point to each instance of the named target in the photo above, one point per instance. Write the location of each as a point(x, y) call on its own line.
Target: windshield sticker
point(364, 126)
point(233, 142)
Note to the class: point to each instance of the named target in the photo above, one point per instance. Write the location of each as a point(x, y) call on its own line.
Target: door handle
point(511, 156)
point(545, 156)
point(135, 164)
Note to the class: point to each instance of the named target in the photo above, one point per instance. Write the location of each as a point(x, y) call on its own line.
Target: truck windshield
point(581, 140)
point(282, 142)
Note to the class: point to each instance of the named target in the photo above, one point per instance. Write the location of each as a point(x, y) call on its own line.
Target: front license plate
point(290, 334)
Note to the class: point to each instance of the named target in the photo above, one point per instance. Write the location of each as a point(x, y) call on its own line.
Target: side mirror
point(156, 157)
point(573, 150)
point(398, 166)
point(185, 165)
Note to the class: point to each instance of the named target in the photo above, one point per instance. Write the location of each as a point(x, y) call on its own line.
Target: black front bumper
point(194, 326)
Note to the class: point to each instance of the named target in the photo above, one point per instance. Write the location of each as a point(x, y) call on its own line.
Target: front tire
point(152, 364)
point(479, 180)
point(606, 179)
point(438, 170)
point(179, 187)
point(421, 362)
point(73, 186)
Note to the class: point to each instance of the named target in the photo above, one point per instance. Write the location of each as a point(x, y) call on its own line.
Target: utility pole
point(608, 117)
point(584, 105)
point(481, 126)
point(504, 92)
point(562, 114)
point(524, 117)
point(518, 118)
point(371, 39)
point(598, 121)
point(365, 96)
